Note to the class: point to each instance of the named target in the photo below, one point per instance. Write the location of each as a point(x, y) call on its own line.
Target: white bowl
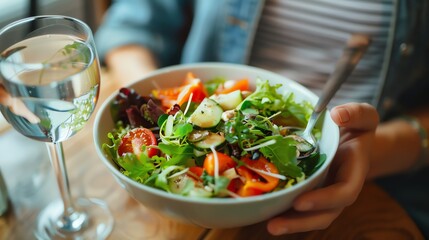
point(216, 212)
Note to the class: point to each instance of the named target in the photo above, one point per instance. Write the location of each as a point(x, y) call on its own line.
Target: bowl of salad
point(213, 144)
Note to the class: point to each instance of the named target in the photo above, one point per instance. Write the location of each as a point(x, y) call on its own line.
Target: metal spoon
point(356, 47)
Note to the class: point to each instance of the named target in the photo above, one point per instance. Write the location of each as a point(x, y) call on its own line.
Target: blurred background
point(90, 11)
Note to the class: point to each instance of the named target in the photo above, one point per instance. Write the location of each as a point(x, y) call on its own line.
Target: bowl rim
point(201, 200)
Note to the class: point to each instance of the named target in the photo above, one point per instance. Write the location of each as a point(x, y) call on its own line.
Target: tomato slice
point(225, 162)
point(197, 171)
point(135, 139)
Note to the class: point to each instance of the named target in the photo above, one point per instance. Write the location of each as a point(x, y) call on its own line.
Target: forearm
point(398, 146)
point(5, 98)
point(129, 63)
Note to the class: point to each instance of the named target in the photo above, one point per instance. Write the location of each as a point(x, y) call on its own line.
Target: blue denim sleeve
point(157, 25)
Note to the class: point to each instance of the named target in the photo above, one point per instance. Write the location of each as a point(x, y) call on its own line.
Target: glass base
point(92, 220)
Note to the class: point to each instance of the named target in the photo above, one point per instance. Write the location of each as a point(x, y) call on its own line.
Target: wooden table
point(373, 216)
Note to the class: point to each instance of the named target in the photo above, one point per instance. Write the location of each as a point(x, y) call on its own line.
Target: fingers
point(318, 208)
point(349, 176)
point(19, 108)
point(350, 166)
point(295, 222)
point(360, 116)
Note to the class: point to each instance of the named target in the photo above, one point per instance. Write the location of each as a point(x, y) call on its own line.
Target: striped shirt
point(303, 39)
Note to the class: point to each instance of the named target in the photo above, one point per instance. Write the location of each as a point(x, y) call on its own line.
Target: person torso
point(302, 40)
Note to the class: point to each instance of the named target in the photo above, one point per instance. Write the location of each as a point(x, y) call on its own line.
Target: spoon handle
point(356, 47)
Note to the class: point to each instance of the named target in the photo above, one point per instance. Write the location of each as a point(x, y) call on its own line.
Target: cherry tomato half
point(135, 139)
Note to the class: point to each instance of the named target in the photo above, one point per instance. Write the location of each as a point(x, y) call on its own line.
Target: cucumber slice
point(228, 101)
point(207, 115)
point(180, 184)
point(198, 135)
point(213, 139)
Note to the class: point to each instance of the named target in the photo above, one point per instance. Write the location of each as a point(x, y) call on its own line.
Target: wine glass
point(49, 86)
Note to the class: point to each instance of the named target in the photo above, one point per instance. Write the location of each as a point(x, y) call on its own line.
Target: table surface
point(31, 186)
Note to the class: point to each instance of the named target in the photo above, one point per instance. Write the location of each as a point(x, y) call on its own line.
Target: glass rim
point(39, 17)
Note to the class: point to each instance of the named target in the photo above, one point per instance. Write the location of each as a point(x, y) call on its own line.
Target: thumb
point(359, 116)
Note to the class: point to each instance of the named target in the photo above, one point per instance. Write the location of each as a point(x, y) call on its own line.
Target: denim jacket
point(223, 30)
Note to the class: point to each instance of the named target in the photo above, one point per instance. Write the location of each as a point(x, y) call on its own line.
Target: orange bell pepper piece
point(225, 162)
point(255, 183)
point(196, 88)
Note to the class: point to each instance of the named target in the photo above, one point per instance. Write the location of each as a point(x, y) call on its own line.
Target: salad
point(215, 138)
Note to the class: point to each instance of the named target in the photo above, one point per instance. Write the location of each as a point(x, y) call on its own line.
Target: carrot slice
point(242, 84)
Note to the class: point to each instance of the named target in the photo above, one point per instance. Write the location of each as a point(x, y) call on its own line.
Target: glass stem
point(71, 220)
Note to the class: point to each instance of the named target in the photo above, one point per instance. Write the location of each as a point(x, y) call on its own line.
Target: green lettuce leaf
point(283, 155)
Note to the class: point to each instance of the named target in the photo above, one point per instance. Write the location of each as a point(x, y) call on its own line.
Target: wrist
point(130, 63)
point(397, 148)
point(424, 142)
